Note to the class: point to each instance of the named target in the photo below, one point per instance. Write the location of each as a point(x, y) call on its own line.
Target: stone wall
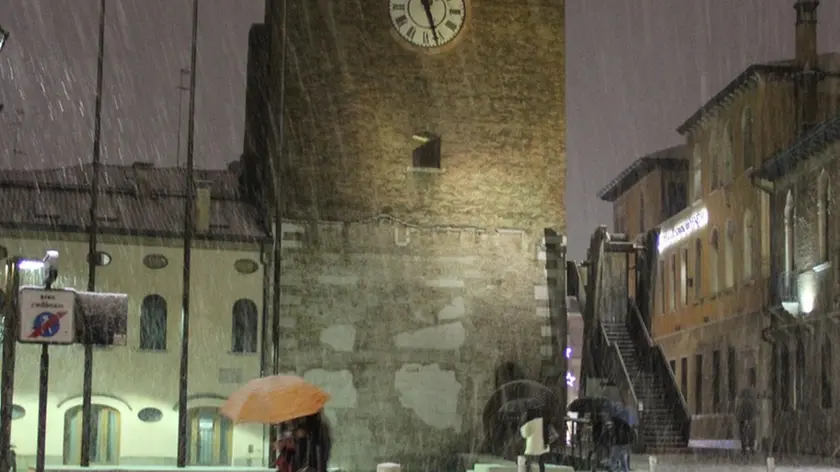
point(406, 327)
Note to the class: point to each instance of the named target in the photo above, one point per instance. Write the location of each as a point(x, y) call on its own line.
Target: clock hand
point(427, 5)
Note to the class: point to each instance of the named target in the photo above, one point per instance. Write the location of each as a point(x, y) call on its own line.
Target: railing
point(616, 370)
point(656, 358)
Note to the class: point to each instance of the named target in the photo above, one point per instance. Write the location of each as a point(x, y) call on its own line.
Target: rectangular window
point(673, 364)
point(672, 287)
point(684, 377)
point(731, 374)
point(698, 384)
point(716, 381)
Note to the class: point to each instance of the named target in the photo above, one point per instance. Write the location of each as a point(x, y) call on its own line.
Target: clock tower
point(419, 150)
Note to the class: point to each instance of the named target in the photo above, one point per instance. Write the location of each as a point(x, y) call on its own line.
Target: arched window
point(714, 160)
point(244, 331)
point(641, 212)
point(104, 435)
point(799, 387)
point(823, 216)
point(714, 266)
point(729, 255)
point(747, 139)
point(789, 257)
point(826, 374)
point(697, 171)
point(726, 150)
point(698, 269)
point(749, 234)
point(211, 437)
point(153, 323)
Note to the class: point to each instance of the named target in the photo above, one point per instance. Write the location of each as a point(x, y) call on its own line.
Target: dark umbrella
point(590, 405)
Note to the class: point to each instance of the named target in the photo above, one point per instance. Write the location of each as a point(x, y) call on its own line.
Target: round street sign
point(46, 324)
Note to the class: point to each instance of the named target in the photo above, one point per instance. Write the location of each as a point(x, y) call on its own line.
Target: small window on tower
point(427, 155)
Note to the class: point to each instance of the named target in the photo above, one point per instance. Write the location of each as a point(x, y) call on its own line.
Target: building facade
point(714, 277)
point(803, 181)
point(651, 190)
point(417, 170)
point(135, 387)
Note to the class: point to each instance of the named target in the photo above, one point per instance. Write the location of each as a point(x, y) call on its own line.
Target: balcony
point(799, 291)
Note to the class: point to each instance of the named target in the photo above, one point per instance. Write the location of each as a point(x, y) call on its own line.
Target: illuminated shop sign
point(683, 229)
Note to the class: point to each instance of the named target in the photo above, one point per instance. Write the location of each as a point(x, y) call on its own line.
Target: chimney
point(142, 178)
point(806, 32)
point(202, 206)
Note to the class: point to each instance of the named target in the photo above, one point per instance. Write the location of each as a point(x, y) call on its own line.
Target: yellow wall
point(133, 379)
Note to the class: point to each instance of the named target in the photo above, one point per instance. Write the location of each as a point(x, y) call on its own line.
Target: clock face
point(428, 23)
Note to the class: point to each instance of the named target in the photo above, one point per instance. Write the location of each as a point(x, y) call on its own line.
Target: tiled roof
point(672, 158)
point(827, 63)
point(59, 200)
point(813, 142)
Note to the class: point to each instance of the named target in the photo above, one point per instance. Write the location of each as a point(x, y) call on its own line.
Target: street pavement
point(705, 463)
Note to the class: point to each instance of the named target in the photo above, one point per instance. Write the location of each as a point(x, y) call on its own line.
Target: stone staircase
point(658, 429)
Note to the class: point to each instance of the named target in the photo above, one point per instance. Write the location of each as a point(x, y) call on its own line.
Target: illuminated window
point(749, 234)
point(714, 267)
point(244, 329)
point(104, 435)
point(153, 323)
point(698, 269)
point(729, 255)
point(823, 216)
point(748, 146)
point(211, 437)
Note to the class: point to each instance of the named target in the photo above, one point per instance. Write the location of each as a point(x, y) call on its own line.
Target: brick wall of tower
point(406, 327)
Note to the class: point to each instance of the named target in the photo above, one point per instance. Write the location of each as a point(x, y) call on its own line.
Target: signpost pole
point(43, 388)
point(7, 385)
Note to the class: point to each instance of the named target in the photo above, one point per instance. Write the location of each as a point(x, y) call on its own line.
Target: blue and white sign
point(47, 316)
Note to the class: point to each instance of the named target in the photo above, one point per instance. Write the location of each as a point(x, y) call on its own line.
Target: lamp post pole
point(188, 239)
point(87, 375)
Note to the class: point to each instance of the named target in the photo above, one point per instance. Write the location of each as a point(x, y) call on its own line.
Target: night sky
point(636, 69)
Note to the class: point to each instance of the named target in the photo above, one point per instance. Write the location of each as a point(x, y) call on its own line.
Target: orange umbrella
point(274, 399)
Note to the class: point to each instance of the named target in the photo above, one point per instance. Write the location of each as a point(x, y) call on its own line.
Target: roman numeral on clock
point(398, 7)
point(411, 32)
point(451, 25)
point(455, 11)
point(401, 20)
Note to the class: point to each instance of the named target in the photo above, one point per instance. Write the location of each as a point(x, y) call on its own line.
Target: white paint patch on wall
point(445, 337)
point(455, 310)
point(432, 393)
point(341, 337)
point(540, 292)
point(338, 383)
point(338, 279)
point(445, 283)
